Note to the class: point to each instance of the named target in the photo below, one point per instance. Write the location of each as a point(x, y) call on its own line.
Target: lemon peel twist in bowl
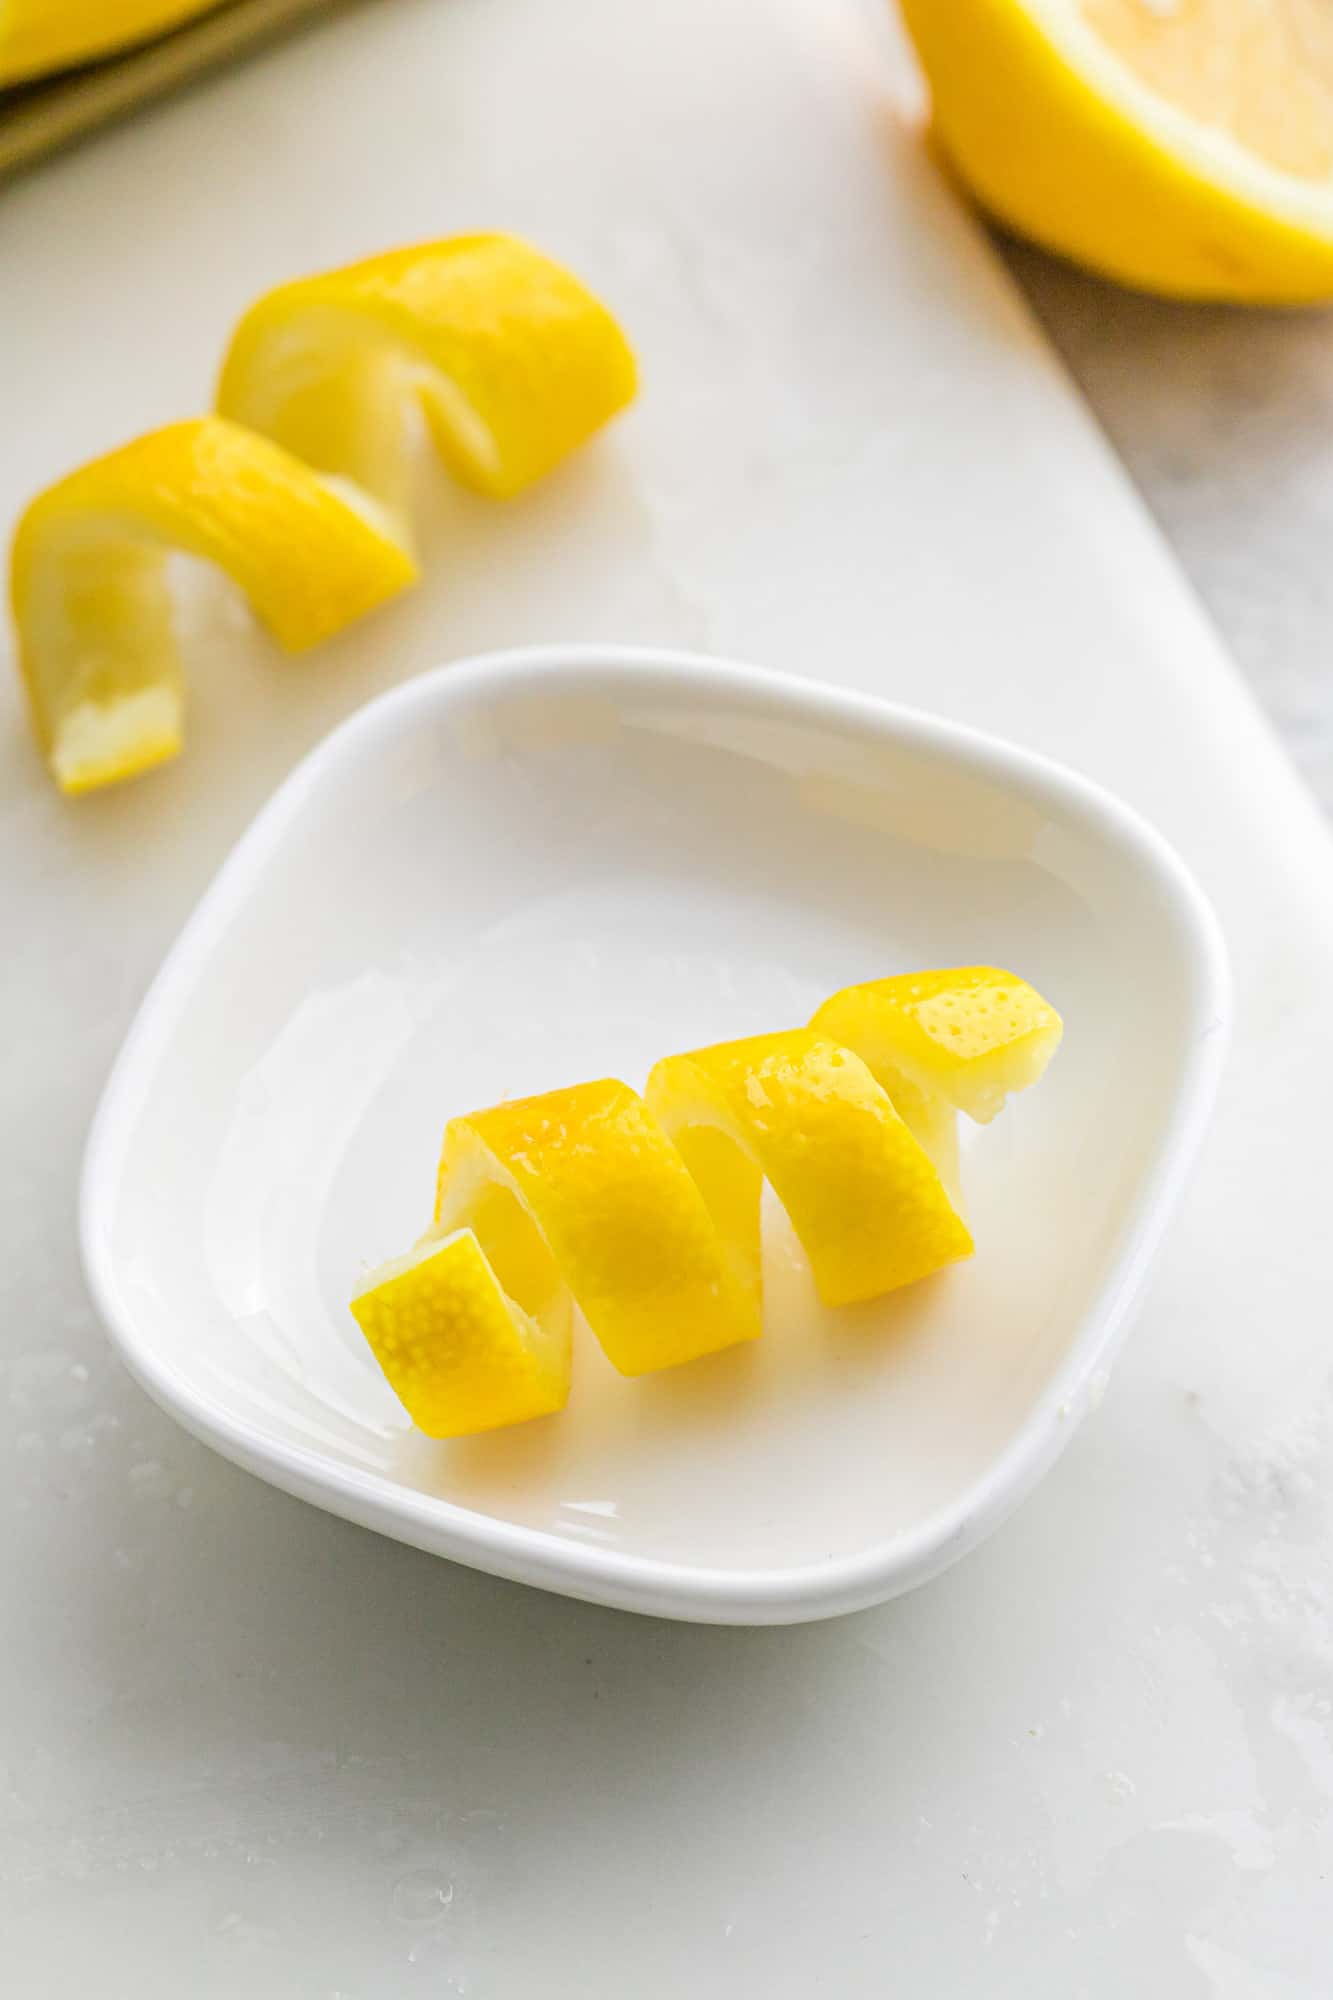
point(644, 1212)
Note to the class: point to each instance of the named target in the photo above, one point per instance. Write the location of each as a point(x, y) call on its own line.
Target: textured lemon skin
point(89, 591)
point(964, 1037)
point(618, 1213)
point(459, 1355)
point(300, 488)
point(514, 361)
point(646, 1211)
point(308, 562)
point(37, 36)
point(864, 1198)
point(1098, 176)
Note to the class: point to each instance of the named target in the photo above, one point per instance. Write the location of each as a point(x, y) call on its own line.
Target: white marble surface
point(1224, 420)
point(248, 1748)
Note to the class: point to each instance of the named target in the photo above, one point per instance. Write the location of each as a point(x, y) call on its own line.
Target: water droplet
point(185, 1498)
point(422, 1897)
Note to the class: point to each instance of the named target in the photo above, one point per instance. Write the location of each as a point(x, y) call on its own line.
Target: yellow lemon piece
point(967, 1036)
point(460, 1355)
point(581, 1192)
point(797, 1110)
point(90, 595)
point(945, 1042)
point(646, 1211)
point(298, 488)
point(41, 35)
point(513, 361)
point(1182, 146)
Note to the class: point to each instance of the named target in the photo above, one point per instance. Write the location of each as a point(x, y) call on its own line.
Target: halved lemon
point(1181, 146)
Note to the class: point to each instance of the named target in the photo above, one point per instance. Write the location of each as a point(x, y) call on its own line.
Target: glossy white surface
point(521, 873)
point(250, 1748)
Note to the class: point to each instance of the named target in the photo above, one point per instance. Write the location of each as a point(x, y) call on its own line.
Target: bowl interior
point(496, 883)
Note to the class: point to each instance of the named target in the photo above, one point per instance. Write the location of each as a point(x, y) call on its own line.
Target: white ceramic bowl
point(522, 871)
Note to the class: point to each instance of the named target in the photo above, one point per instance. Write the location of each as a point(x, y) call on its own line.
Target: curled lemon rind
point(644, 1211)
point(298, 487)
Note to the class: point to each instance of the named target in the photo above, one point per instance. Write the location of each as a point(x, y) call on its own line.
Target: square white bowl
point(522, 871)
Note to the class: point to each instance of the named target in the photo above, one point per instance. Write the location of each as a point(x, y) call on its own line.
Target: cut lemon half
point(1181, 146)
point(97, 643)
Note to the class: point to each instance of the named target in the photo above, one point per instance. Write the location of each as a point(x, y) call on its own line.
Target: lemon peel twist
point(644, 1211)
point(297, 487)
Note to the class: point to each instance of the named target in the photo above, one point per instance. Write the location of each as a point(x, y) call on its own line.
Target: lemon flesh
point(1180, 146)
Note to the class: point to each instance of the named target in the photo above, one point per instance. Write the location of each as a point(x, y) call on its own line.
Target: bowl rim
point(758, 1595)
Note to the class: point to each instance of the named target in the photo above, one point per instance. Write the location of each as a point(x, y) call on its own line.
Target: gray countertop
point(1224, 418)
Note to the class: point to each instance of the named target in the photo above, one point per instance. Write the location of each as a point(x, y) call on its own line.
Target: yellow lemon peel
point(645, 1211)
point(297, 487)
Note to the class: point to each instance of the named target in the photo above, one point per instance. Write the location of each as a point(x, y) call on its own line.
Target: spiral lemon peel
point(644, 1211)
point(297, 487)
